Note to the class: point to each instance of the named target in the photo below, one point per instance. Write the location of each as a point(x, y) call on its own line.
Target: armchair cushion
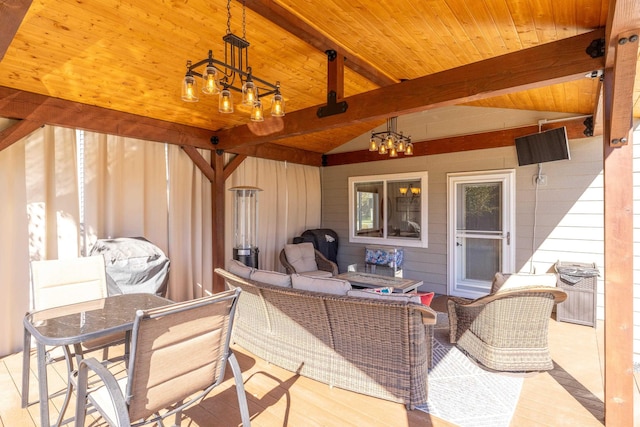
point(302, 256)
point(325, 285)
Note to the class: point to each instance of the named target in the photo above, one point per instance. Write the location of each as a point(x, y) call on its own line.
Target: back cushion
point(526, 280)
point(239, 269)
point(272, 278)
point(302, 256)
point(320, 284)
point(498, 281)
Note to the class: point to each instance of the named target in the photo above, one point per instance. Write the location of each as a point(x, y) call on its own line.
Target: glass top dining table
point(73, 324)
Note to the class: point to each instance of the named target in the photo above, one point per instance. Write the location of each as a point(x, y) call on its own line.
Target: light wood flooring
point(570, 395)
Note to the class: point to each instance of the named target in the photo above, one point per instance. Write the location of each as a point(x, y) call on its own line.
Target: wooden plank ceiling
point(130, 56)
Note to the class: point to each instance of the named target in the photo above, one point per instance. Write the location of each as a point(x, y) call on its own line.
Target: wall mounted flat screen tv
point(547, 146)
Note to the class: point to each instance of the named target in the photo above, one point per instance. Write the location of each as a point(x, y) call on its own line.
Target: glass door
point(480, 230)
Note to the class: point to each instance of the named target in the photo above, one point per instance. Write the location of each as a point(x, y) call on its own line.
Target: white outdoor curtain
point(125, 189)
point(14, 247)
point(52, 194)
point(190, 227)
point(40, 217)
point(288, 204)
point(132, 188)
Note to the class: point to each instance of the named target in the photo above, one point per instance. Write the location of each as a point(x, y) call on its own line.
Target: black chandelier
point(390, 141)
point(220, 78)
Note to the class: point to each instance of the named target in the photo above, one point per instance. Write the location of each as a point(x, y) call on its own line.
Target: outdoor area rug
point(463, 393)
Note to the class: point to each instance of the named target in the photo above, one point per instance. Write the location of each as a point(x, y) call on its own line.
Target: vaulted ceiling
point(399, 57)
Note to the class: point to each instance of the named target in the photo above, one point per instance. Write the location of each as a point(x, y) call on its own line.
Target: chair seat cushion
point(301, 256)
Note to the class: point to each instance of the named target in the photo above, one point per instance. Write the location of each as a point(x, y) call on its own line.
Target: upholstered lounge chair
point(303, 258)
point(508, 329)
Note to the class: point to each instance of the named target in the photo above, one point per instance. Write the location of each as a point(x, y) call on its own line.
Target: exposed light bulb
point(210, 81)
point(225, 104)
point(189, 87)
point(249, 94)
point(257, 114)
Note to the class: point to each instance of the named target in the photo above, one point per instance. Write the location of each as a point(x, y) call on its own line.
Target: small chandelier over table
point(390, 141)
point(234, 74)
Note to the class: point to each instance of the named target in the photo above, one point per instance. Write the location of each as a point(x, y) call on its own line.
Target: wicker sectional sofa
point(375, 347)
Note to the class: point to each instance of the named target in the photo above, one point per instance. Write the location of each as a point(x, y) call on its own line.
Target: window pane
point(481, 207)
point(405, 211)
point(368, 208)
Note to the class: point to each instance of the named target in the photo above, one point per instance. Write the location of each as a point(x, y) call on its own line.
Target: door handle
point(508, 238)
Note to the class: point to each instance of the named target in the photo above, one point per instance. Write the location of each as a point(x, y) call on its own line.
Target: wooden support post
point(618, 271)
point(217, 217)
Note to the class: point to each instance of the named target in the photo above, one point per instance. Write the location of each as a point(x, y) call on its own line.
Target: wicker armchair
point(506, 330)
point(304, 263)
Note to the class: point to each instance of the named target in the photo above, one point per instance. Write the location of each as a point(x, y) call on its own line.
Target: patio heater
point(245, 222)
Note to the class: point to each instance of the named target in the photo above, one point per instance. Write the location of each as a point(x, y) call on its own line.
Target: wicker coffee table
point(368, 280)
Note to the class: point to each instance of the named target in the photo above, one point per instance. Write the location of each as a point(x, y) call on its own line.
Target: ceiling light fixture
point(390, 141)
point(220, 78)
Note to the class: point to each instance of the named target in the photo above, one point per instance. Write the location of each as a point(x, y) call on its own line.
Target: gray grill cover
point(133, 265)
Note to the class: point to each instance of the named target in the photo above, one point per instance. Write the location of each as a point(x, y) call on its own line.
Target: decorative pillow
point(272, 278)
point(527, 280)
point(326, 285)
point(239, 269)
point(426, 297)
point(374, 294)
point(301, 256)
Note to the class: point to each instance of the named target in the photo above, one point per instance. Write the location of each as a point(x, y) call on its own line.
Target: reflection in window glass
point(368, 196)
point(389, 209)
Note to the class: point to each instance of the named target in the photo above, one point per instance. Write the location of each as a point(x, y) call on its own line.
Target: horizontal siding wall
point(569, 220)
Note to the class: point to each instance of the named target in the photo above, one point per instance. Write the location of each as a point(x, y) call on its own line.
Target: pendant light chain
point(244, 20)
point(228, 16)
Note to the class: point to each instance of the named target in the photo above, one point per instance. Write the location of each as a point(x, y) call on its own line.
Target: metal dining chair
point(178, 355)
point(59, 282)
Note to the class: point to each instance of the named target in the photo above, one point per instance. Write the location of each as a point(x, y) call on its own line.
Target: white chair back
point(67, 281)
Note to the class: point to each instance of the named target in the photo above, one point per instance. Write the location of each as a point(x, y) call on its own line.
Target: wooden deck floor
point(570, 395)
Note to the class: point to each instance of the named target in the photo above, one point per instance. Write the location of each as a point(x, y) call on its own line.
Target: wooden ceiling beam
point(16, 104)
point(12, 13)
point(551, 63)
point(479, 141)
point(280, 16)
point(17, 131)
point(624, 73)
point(280, 152)
point(36, 110)
point(621, 56)
point(200, 162)
point(233, 164)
